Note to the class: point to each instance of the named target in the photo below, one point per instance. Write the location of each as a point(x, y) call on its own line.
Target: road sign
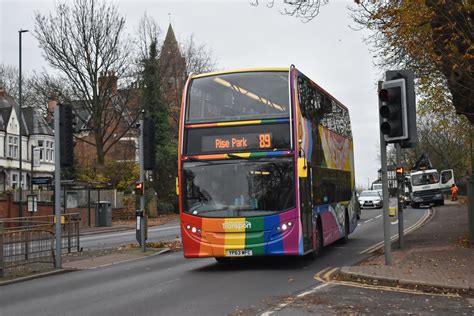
point(41, 180)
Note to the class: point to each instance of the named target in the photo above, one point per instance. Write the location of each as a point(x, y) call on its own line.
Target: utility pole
point(386, 219)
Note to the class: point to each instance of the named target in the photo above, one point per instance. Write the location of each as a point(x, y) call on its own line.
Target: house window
point(14, 181)
point(49, 151)
point(41, 148)
point(12, 146)
point(46, 148)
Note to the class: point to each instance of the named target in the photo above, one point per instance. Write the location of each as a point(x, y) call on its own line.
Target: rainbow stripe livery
point(264, 236)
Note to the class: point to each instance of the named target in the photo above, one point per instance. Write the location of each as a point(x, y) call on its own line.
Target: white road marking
point(378, 216)
point(369, 220)
point(290, 301)
point(419, 223)
point(394, 223)
point(312, 290)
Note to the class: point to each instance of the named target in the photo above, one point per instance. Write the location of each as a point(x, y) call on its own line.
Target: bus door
point(306, 207)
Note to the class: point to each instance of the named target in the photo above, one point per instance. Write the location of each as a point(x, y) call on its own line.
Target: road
point(163, 232)
point(172, 285)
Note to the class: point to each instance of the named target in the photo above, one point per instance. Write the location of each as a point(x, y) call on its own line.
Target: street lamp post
point(20, 203)
point(20, 113)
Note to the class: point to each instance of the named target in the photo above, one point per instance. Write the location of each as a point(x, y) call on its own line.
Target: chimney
point(52, 102)
point(108, 83)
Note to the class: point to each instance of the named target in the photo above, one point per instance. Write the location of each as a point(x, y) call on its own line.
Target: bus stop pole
point(386, 219)
point(142, 197)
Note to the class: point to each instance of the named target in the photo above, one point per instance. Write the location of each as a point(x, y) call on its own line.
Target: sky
point(240, 35)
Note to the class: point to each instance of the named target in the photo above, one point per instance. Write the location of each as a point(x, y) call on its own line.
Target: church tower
point(172, 65)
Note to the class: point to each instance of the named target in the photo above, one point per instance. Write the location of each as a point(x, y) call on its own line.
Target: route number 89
point(265, 141)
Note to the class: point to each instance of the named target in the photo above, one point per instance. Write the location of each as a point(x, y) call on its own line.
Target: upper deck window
point(238, 96)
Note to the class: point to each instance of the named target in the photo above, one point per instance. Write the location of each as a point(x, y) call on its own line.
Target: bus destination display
point(236, 142)
point(242, 138)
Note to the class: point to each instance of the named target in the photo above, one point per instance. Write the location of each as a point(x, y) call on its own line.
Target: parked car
point(370, 199)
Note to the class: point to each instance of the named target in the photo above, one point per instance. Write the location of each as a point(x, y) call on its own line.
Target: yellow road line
point(317, 276)
point(392, 289)
point(329, 273)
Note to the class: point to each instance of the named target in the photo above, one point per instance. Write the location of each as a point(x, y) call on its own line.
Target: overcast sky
point(240, 35)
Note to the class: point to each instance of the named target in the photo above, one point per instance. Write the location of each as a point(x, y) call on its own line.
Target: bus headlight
point(194, 229)
point(284, 226)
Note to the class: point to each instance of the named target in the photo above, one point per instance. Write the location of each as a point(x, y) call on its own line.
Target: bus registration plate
point(239, 253)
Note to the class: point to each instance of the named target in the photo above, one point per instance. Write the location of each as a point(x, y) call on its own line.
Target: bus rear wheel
point(319, 239)
point(319, 244)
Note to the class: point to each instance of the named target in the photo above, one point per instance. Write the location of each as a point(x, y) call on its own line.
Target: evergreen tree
point(153, 102)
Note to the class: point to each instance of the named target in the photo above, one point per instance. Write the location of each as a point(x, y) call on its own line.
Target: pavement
point(435, 258)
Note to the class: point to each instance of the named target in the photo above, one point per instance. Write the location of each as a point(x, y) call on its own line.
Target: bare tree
point(306, 10)
point(199, 58)
point(37, 88)
point(84, 40)
point(44, 87)
point(148, 32)
point(9, 80)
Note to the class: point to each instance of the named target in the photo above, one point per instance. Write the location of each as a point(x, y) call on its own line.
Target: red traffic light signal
point(400, 172)
point(139, 188)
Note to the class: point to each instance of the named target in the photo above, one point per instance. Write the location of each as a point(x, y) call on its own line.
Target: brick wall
point(9, 209)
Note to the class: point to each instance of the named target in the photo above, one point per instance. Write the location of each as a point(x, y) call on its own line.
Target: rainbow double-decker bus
point(266, 165)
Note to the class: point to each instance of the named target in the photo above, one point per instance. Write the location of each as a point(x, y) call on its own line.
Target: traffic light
point(409, 77)
point(66, 135)
point(393, 110)
point(139, 188)
point(149, 153)
point(400, 173)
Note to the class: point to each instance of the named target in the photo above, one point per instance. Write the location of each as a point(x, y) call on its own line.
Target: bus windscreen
point(238, 96)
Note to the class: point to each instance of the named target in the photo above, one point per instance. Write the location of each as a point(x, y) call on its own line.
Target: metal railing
point(28, 240)
point(77, 197)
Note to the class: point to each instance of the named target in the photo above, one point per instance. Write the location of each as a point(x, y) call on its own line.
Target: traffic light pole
point(142, 197)
point(386, 219)
point(399, 201)
point(57, 187)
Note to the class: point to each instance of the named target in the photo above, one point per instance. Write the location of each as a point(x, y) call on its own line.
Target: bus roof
point(238, 70)
point(322, 89)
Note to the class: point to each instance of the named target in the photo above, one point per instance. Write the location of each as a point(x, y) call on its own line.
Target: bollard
point(69, 234)
point(27, 239)
point(78, 240)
